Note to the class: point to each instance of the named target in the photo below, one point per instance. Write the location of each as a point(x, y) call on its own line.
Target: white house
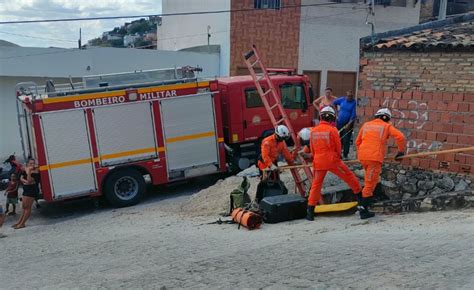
point(178, 32)
point(329, 37)
point(22, 64)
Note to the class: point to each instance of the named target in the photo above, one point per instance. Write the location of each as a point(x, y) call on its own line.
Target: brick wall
point(431, 96)
point(274, 32)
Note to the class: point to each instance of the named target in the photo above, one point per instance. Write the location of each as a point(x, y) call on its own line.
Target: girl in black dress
point(30, 179)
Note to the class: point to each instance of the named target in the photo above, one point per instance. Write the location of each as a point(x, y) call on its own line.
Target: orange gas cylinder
point(246, 218)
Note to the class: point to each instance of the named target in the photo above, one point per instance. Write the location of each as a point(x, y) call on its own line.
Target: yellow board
point(343, 206)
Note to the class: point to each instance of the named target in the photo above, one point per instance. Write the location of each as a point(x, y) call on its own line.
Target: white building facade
point(185, 31)
point(329, 37)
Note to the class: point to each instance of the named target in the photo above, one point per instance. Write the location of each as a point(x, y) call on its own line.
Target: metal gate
point(189, 131)
point(68, 153)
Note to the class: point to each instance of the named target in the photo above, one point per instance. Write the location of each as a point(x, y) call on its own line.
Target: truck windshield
point(293, 96)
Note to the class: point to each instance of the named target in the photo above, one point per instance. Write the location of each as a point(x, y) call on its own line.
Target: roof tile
point(455, 35)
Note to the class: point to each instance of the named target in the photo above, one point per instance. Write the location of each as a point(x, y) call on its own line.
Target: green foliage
point(140, 27)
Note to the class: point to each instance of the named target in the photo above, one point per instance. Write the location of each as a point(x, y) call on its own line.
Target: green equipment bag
point(239, 197)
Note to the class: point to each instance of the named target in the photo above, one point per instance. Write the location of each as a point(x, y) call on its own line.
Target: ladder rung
point(303, 181)
point(280, 121)
point(260, 78)
point(273, 107)
point(249, 54)
point(255, 62)
point(267, 92)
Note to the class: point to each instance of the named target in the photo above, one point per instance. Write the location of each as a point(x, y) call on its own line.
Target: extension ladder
point(272, 101)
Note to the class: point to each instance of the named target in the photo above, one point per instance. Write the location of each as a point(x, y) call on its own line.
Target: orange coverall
point(271, 149)
point(325, 145)
point(371, 150)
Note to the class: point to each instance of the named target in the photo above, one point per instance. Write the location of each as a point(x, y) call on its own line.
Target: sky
point(66, 34)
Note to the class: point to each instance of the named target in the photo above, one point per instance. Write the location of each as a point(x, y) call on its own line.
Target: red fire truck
point(103, 135)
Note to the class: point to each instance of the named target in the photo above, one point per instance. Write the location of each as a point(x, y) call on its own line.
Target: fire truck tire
point(125, 187)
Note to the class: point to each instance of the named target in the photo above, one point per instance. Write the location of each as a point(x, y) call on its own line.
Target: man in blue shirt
point(345, 120)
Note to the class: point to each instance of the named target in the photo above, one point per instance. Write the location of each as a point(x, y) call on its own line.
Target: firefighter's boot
point(310, 213)
point(363, 208)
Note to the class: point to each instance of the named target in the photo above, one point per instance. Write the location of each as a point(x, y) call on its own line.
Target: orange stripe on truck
point(190, 137)
point(67, 163)
point(107, 156)
point(131, 153)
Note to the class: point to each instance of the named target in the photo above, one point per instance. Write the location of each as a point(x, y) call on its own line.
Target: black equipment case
point(283, 208)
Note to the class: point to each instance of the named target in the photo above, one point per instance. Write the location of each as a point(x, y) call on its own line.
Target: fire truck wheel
point(125, 187)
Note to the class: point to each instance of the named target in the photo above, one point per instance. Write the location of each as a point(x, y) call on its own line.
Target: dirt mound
point(215, 200)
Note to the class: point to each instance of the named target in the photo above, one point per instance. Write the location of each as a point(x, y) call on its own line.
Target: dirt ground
point(153, 245)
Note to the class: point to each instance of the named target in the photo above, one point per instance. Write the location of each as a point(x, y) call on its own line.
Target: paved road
point(146, 246)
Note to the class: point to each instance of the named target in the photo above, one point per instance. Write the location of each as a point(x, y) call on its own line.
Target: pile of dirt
point(215, 201)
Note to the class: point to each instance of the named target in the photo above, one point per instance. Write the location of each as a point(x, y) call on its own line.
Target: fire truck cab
point(246, 121)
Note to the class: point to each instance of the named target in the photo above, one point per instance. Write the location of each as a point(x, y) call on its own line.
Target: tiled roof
point(458, 35)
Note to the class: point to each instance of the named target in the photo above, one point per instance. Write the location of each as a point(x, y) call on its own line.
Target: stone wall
point(435, 189)
point(431, 96)
point(275, 32)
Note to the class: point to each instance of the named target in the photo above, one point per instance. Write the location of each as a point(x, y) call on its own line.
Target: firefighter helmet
point(384, 112)
point(282, 132)
point(304, 134)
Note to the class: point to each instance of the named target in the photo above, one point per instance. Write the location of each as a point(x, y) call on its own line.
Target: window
point(398, 3)
point(252, 98)
point(293, 96)
point(267, 4)
point(346, 1)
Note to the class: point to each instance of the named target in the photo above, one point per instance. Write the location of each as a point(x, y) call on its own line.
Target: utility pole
point(443, 6)
point(208, 35)
point(79, 42)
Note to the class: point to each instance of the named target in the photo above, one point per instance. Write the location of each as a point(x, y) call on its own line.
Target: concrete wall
point(9, 131)
point(22, 64)
point(275, 32)
point(58, 62)
point(178, 32)
point(329, 37)
point(431, 95)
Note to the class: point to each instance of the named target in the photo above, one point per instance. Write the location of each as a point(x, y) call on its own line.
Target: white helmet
point(384, 112)
point(304, 134)
point(328, 110)
point(282, 132)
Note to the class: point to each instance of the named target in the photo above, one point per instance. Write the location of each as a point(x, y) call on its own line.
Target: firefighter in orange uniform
point(371, 151)
point(325, 146)
point(272, 147)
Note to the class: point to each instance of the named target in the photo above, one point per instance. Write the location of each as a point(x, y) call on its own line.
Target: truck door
point(295, 102)
point(189, 126)
point(125, 133)
point(255, 116)
point(68, 153)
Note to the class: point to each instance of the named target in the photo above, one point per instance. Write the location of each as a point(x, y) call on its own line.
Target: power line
point(305, 20)
point(163, 14)
point(37, 37)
